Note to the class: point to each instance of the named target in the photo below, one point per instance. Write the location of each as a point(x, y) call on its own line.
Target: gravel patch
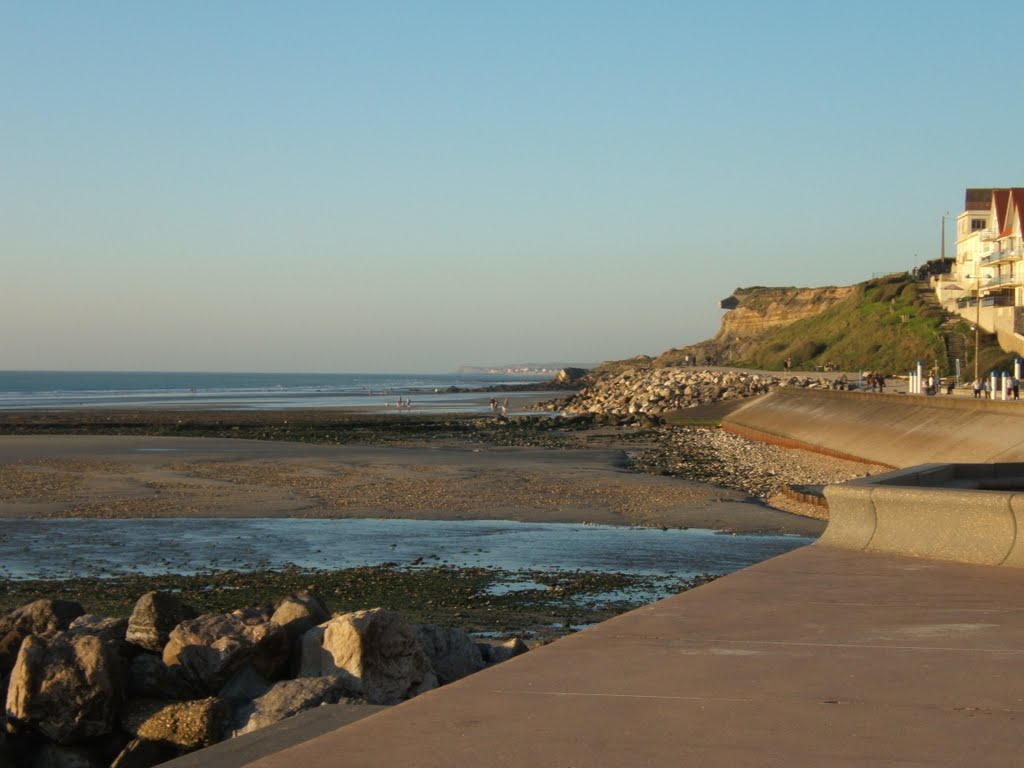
point(725, 459)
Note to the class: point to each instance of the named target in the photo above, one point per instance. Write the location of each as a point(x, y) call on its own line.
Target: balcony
point(987, 234)
point(1002, 257)
point(1004, 281)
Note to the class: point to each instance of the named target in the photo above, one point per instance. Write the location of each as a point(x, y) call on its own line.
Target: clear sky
point(412, 186)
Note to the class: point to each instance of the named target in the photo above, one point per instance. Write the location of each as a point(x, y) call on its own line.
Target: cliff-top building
point(989, 264)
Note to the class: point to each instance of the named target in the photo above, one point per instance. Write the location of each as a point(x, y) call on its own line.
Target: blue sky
point(413, 186)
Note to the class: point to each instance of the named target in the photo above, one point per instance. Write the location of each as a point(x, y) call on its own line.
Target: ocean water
point(91, 547)
point(48, 390)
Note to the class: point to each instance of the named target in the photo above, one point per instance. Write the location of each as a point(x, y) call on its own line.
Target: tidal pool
point(77, 547)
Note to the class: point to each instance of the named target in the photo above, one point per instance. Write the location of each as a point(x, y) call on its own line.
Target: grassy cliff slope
point(886, 324)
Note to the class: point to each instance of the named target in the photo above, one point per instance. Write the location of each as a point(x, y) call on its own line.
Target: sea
point(50, 390)
point(114, 547)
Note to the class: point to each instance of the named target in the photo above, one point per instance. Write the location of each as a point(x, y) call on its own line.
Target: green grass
point(884, 326)
point(887, 325)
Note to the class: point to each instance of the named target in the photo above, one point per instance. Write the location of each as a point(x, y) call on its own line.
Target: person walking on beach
point(789, 364)
point(494, 405)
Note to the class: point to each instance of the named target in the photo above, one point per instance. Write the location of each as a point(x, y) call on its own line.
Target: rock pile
point(650, 391)
point(722, 458)
point(88, 691)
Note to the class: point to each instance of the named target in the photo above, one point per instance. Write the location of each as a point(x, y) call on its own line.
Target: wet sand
point(146, 476)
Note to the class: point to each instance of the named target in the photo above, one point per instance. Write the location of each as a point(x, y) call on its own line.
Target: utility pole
point(942, 248)
point(977, 320)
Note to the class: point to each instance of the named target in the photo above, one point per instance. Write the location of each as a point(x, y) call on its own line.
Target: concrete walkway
point(821, 657)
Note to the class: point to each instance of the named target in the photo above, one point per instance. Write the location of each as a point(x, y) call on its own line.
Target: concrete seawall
point(965, 513)
point(897, 430)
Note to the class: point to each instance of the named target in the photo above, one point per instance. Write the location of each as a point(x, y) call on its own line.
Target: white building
point(986, 281)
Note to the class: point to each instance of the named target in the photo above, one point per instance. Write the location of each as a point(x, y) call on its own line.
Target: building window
point(977, 224)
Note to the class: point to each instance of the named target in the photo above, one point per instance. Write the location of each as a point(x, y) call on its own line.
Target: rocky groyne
point(83, 690)
point(653, 391)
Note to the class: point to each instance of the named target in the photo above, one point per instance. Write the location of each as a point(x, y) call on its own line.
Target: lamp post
point(942, 247)
point(977, 319)
point(977, 322)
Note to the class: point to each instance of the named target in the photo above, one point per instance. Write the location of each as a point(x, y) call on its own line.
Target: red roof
point(1000, 199)
point(1017, 195)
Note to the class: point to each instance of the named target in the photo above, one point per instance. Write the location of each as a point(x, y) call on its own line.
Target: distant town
point(522, 369)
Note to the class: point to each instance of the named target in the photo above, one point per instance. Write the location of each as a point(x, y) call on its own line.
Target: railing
point(1004, 280)
point(997, 300)
point(1013, 255)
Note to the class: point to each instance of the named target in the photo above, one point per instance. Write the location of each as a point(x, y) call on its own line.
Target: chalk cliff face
point(760, 310)
point(753, 312)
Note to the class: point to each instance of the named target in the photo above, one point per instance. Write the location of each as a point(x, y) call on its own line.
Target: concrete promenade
point(821, 657)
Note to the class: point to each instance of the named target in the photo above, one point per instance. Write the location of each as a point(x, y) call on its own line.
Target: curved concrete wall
point(969, 513)
point(897, 430)
point(969, 510)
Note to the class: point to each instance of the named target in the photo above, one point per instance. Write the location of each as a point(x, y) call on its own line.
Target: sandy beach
point(333, 464)
point(157, 476)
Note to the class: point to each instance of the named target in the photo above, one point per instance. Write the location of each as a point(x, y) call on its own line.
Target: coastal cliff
point(757, 311)
point(887, 324)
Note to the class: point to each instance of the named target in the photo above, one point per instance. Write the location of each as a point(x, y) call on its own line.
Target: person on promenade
point(950, 385)
point(977, 387)
point(1015, 387)
point(789, 364)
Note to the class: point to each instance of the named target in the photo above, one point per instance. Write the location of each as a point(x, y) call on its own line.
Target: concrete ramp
point(897, 430)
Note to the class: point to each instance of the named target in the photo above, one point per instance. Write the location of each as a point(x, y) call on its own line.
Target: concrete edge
point(967, 513)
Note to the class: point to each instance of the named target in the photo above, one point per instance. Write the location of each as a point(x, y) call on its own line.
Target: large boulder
point(149, 678)
point(299, 613)
point(244, 686)
point(186, 724)
point(495, 653)
point(68, 687)
point(154, 616)
point(570, 375)
point(211, 648)
point(289, 697)
point(42, 617)
point(376, 651)
point(109, 631)
point(453, 654)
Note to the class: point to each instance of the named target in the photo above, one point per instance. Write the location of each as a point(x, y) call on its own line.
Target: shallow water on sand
point(71, 548)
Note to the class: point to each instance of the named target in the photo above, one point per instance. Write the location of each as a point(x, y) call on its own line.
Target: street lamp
point(942, 247)
point(977, 319)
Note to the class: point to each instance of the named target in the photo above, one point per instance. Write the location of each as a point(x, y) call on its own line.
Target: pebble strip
point(722, 458)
